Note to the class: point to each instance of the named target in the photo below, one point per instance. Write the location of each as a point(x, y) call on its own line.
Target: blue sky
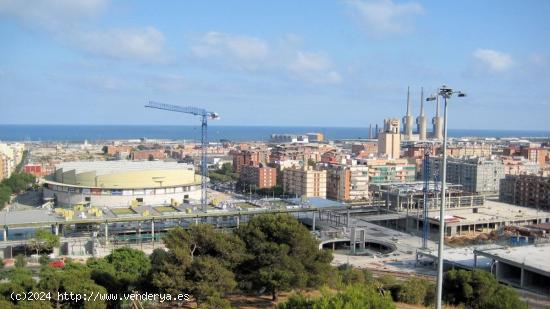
point(320, 63)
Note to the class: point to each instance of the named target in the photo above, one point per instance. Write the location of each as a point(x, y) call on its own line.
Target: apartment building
point(526, 190)
point(262, 177)
point(305, 182)
point(389, 170)
point(347, 182)
point(476, 175)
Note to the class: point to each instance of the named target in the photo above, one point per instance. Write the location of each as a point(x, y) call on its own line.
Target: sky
point(288, 63)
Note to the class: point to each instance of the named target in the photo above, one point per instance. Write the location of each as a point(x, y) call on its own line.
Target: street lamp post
point(445, 93)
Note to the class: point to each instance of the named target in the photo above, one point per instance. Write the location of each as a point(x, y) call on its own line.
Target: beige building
point(305, 182)
point(467, 150)
point(122, 183)
point(347, 182)
point(12, 155)
point(389, 141)
point(3, 166)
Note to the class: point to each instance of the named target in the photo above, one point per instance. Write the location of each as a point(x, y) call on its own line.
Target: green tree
point(5, 194)
point(19, 182)
point(478, 289)
point(40, 304)
point(4, 304)
point(44, 240)
point(216, 302)
point(75, 278)
point(227, 169)
point(415, 291)
point(200, 260)
point(20, 261)
point(44, 260)
point(105, 274)
point(283, 255)
point(210, 278)
point(131, 265)
point(354, 296)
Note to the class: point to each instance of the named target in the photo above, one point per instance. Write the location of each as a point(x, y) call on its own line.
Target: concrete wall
point(155, 197)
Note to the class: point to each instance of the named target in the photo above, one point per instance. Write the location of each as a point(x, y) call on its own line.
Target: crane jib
point(204, 138)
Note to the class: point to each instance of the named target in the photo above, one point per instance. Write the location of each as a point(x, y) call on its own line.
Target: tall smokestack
point(437, 122)
point(370, 131)
point(421, 120)
point(408, 119)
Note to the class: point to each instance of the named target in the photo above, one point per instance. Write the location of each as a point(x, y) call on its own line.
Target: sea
point(77, 133)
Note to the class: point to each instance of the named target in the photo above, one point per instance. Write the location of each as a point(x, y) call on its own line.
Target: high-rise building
point(476, 175)
point(535, 154)
point(248, 157)
point(3, 166)
point(389, 141)
point(519, 166)
point(347, 182)
point(305, 182)
point(526, 190)
point(260, 176)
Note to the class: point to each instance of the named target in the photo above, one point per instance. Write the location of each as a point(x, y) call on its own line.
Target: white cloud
point(51, 14)
point(240, 51)
point(69, 22)
point(314, 67)
point(257, 55)
point(136, 43)
point(383, 18)
point(493, 61)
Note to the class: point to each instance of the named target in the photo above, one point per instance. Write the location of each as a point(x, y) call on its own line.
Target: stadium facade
point(122, 183)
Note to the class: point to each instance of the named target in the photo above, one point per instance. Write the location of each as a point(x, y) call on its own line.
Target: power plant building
point(421, 120)
point(122, 183)
point(408, 120)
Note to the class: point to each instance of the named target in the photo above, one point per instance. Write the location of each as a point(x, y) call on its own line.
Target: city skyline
point(333, 63)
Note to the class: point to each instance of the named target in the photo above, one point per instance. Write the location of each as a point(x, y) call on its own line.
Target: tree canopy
point(353, 296)
point(283, 255)
point(200, 260)
point(478, 289)
point(44, 240)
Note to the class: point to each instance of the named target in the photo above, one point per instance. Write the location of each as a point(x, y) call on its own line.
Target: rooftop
point(493, 211)
point(112, 167)
point(532, 256)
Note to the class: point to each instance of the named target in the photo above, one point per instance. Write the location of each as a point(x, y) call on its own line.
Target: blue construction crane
point(205, 115)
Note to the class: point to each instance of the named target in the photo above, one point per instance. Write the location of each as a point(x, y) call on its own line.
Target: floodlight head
point(431, 98)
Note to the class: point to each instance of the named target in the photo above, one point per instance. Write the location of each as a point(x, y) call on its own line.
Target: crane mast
point(205, 115)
